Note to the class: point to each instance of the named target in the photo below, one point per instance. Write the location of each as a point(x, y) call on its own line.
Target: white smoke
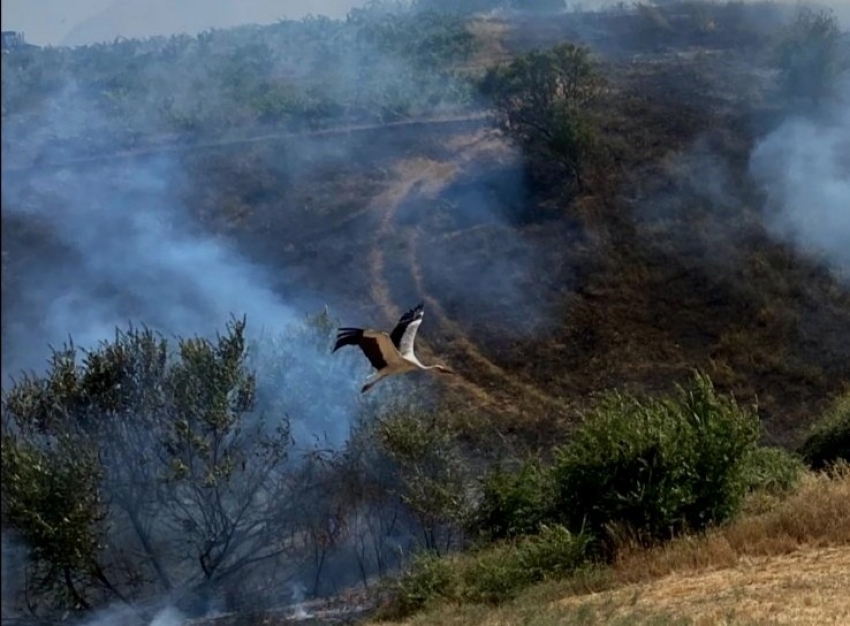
point(804, 168)
point(125, 616)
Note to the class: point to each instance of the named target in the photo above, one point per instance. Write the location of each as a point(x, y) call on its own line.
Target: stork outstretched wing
point(404, 333)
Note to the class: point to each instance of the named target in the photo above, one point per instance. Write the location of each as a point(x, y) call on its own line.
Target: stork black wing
point(411, 316)
point(369, 345)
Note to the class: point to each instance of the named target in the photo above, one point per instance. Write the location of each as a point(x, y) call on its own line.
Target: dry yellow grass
point(805, 587)
point(784, 562)
point(489, 34)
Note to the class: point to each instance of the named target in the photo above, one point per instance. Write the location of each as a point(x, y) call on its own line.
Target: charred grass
point(640, 280)
point(644, 276)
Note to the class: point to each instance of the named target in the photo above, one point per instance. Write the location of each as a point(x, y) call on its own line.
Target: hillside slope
point(540, 299)
point(537, 298)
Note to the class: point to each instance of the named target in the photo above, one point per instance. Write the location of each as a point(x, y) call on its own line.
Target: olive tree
point(135, 469)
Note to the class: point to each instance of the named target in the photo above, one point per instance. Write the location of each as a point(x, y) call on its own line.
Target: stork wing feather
point(376, 345)
point(407, 339)
point(404, 333)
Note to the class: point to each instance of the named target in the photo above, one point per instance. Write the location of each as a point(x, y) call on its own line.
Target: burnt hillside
point(538, 296)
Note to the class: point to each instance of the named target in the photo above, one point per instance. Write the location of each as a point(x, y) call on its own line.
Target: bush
point(656, 466)
point(773, 471)
point(492, 575)
point(133, 448)
point(499, 573)
point(829, 439)
point(51, 498)
point(553, 553)
point(544, 99)
point(428, 577)
point(808, 56)
point(430, 472)
point(513, 504)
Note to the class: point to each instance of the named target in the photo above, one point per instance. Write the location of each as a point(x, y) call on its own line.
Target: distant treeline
point(382, 63)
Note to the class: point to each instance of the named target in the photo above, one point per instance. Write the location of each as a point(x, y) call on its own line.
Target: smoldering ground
point(122, 247)
point(804, 169)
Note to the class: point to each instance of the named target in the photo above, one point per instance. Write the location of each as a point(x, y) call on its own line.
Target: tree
point(808, 56)
point(432, 481)
point(141, 469)
point(544, 99)
point(50, 496)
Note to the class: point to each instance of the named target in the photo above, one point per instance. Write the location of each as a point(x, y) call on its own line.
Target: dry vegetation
point(783, 562)
point(683, 282)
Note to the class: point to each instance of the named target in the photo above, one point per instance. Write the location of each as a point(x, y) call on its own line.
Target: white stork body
point(391, 353)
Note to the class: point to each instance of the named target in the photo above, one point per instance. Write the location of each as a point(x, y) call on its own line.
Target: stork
point(391, 353)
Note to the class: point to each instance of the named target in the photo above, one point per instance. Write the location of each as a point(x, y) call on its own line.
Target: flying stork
point(390, 353)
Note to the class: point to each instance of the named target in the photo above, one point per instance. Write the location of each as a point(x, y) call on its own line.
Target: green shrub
point(499, 572)
point(494, 575)
point(131, 440)
point(428, 577)
point(430, 472)
point(829, 439)
point(51, 498)
point(657, 466)
point(553, 553)
point(491, 575)
point(545, 100)
point(513, 504)
point(773, 471)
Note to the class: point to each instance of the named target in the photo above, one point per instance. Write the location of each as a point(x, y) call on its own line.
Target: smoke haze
point(83, 22)
point(124, 248)
point(110, 243)
point(132, 256)
point(804, 169)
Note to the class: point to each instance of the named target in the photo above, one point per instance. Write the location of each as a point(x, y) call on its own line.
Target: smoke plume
point(804, 169)
point(103, 243)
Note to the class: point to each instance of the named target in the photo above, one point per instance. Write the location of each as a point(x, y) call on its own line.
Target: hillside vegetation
point(615, 219)
point(780, 562)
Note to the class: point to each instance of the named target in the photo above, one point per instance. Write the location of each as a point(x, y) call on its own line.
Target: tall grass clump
point(656, 467)
point(829, 439)
point(492, 575)
point(772, 471)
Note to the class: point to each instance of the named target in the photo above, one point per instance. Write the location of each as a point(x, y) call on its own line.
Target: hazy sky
point(75, 22)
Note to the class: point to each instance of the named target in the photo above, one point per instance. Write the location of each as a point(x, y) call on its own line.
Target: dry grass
point(489, 35)
point(802, 587)
point(783, 562)
point(817, 515)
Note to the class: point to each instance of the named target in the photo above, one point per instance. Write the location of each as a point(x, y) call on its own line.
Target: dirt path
point(808, 587)
point(428, 177)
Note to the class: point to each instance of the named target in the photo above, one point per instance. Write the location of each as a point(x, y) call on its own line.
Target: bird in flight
point(389, 353)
